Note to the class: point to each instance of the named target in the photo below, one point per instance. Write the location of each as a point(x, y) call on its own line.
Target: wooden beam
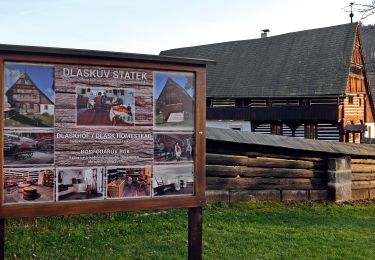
point(195, 233)
point(2, 239)
point(243, 171)
point(363, 168)
point(266, 183)
point(363, 161)
point(230, 160)
point(363, 177)
point(356, 185)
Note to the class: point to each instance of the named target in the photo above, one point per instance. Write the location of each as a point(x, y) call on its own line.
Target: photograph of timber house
point(25, 103)
point(28, 185)
point(308, 84)
point(173, 180)
point(170, 147)
point(105, 106)
point(22, 148)
point(125, 182)
point(174, 100)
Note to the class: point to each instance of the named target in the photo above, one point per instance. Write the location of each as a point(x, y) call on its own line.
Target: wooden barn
point(174, 99)
point(27, 98)
point(308, 84)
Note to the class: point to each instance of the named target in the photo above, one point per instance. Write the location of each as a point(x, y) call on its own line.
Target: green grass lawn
point(262, 230)
point(36, 120)
point(160, 122)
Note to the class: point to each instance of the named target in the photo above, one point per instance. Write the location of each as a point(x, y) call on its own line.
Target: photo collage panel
point(174, 104)
point(28, 146)
point(40, 138)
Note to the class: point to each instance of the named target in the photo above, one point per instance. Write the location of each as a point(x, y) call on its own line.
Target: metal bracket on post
point(195, 234)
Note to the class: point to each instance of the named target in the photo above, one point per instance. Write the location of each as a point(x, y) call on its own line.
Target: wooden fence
point(257, 170)
point(363, 179)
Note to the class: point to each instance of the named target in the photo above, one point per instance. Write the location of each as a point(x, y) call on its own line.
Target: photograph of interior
point(173, 147)
point(105, 106)
point(28, 148)
point(129, 182)
point(28, 185)
point(173, 180)
point(80, 183)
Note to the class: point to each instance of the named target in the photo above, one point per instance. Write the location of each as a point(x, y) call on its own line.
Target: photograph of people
point(105, 106)
point(28, 95)
point(173, 180)
point(174, 100)
point(170, 147)
point(127, 182)
point(177, 151)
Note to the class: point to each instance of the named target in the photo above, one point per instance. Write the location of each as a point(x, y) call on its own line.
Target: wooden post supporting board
point(195, 233)
point(2, 239)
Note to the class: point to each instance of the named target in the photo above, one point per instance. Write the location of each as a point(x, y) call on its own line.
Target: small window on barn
point(351, 100)
point(115, 92)
point(310, 131)
point(31, 106)
point(236, 127)
point(45, 107)
point(223, 102)
point(83, 91)
point(277, 129)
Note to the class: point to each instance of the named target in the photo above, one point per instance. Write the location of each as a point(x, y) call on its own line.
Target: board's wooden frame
point(83, 207)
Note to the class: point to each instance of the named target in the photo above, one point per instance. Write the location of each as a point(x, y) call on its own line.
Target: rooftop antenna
point(351, 12)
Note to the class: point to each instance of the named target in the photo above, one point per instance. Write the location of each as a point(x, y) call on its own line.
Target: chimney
point(264, 33)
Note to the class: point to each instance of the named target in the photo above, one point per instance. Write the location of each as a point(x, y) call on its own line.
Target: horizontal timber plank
point(363, 168)
point(219, 148)
point(243, 171)
point(265, 183)
point(363, 185)
point(363, 161)
point(88, 207)
point(230, 160)
point(285, 156)
point(363, 177)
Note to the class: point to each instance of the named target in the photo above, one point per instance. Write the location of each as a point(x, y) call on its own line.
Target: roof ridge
point(261, 39)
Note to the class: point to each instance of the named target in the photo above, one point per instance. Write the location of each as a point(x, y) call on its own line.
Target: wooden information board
point(89, 132)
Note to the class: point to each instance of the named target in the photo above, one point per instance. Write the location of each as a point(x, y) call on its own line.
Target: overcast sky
point(146, 26)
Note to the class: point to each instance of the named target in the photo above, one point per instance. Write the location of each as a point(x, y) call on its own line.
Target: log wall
point(363, 179)
point(233, 176)
point(265, 177)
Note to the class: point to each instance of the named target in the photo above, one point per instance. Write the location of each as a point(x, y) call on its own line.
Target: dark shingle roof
point(307, 63)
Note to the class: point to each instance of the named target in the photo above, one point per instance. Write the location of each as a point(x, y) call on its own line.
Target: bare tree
point(365, 10)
